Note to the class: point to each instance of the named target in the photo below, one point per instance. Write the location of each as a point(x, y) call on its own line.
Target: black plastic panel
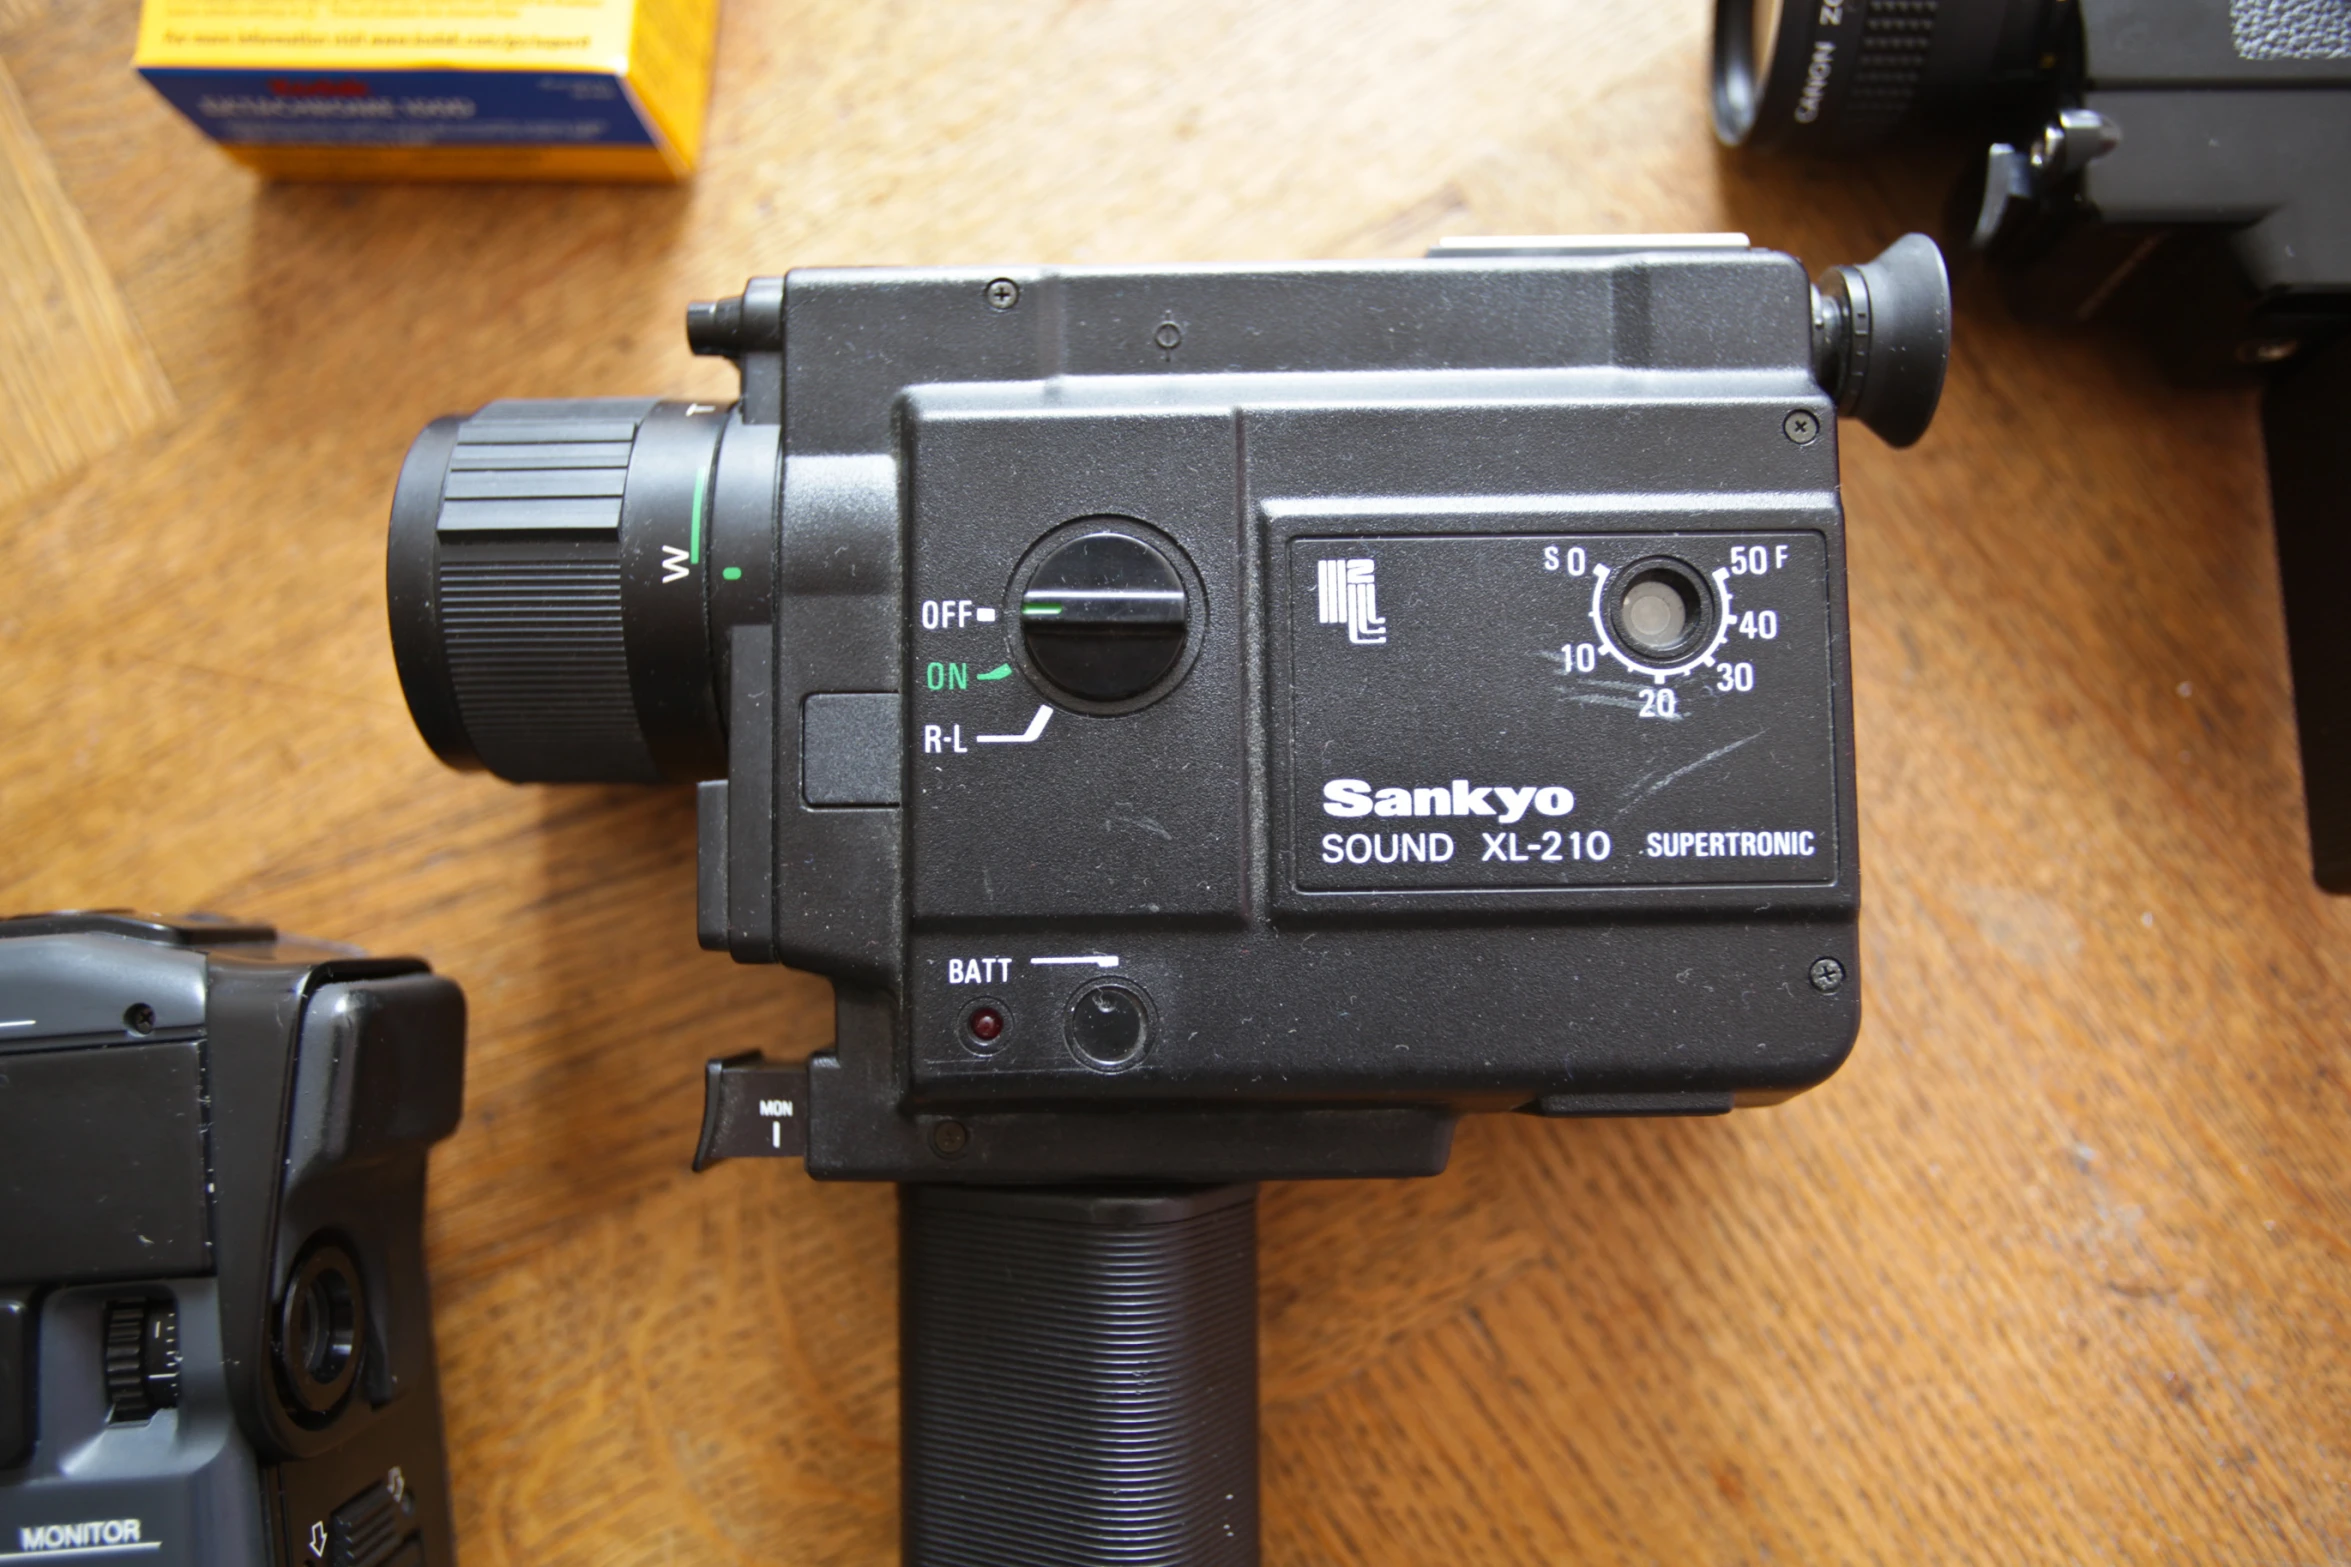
point(1495, 729)
point(849, 750)
point(1021, 807)
point(102, 1164)
point(2303, 423)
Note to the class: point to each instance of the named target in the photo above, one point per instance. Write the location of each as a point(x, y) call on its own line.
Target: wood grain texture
point(2056, 1270)
point(75, 376)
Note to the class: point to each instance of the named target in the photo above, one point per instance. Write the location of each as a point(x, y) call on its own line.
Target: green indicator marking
point(733, 573)
point(694, 523)
point(998, 673)
point(1029, 610)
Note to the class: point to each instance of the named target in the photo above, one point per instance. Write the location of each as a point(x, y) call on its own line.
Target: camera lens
point(1764, 27)
point(1842, 76)
point(550, 578)
point(1661, 611)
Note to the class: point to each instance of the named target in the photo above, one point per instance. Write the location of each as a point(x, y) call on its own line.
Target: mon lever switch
point(752, 1108)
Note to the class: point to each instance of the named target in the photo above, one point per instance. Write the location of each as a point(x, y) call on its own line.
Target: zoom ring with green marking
point(549, 610)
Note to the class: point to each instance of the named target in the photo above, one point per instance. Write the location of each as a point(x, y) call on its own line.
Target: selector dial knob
point(1105, 616)
point(1661, 611)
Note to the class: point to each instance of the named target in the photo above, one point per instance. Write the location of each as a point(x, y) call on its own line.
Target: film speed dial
point(1677, 613)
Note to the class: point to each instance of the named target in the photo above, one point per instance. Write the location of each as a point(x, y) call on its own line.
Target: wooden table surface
point(2056, 1269)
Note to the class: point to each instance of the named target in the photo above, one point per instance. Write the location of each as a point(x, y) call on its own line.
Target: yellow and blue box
point(439, 89)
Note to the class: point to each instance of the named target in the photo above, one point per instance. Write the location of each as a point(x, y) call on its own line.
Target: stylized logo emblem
point(1346, 594)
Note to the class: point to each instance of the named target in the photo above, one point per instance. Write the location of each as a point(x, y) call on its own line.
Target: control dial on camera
point(1105, 616)
point(142, 1358)
point(1661, 616)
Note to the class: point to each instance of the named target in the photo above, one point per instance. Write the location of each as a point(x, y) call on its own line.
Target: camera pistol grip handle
point(1078, 1375)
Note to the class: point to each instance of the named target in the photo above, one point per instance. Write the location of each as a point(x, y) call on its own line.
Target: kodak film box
point(439, 89)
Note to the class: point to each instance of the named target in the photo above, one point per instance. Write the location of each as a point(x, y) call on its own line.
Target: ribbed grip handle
point(1079, 1375)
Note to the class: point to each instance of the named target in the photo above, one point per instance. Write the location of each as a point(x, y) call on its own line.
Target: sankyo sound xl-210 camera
point(215, 1340)
point(1212, 724)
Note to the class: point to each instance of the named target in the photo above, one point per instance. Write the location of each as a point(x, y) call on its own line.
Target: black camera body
point(1216, 723)
point(1212, 724)
point(215, 1337)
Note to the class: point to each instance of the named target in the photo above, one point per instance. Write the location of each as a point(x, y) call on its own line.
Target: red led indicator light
point(985, 1024)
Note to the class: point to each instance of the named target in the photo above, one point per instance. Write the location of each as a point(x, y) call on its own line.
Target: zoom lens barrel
point(1830, 76)
point(548, 587)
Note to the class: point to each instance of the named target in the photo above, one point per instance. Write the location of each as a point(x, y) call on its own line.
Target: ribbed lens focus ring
point(1834, 76)
point(549, 613)
point(1888, 66)
point(1838, 76)
point(540, 666)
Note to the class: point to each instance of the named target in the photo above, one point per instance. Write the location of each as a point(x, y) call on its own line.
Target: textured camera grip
point(1079, 1376)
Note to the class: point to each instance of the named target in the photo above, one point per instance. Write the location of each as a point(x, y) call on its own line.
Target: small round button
point(1109, 1025)
point(1105, 616)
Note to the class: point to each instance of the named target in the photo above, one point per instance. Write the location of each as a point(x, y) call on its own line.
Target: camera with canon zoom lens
point(1213, 724)
point(2176, 165)
point(215, 1336)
